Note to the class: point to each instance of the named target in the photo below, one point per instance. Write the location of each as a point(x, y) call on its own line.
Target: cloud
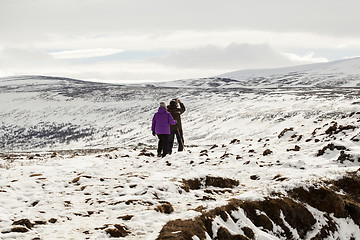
point(307, 58)
point(11, 57)
point(67, 17)
point(85, 53)
point(32, 61)
point(201, 30)
point(232, 57)
point(179, 64)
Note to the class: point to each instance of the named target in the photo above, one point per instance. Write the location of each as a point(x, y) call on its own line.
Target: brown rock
point(165, 207)
point(24, 222)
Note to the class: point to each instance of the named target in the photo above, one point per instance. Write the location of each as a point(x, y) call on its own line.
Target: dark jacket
point(175, 113)
point(162, 121)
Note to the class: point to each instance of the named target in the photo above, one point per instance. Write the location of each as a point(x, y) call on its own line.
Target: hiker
point(177, 128)
point(161, 127)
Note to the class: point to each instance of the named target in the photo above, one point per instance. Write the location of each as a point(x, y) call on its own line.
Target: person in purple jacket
point(161, 127)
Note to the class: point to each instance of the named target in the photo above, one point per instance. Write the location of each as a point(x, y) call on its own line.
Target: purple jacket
point(161, 121)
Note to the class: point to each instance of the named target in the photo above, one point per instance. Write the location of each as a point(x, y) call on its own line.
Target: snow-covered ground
point(88, 193)
point(266, 140)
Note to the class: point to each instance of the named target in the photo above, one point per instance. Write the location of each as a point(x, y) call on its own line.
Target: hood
point(173, 109)
point(173, 104)
point(161, 110)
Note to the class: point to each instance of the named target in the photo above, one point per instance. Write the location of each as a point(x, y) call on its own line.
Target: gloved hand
point(153, 133)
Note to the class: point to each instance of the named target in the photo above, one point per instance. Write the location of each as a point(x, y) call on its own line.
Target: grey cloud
point(33, 19)
point(25, 58)
point(235, 56)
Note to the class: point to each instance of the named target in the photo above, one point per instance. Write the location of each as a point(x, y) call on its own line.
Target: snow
point(341, 73)
point(120, 183)
point(88, 191)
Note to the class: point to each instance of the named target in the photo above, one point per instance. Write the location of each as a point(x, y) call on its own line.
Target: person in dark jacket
point(161, 123)
point(177, 128)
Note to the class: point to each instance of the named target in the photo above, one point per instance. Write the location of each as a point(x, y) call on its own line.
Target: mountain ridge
point(340, 73)
point(303, 67)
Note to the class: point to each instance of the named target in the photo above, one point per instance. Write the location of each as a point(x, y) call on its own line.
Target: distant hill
point(42, 112)
point(341, 73)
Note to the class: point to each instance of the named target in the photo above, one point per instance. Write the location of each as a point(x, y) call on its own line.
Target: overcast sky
point(158, 40)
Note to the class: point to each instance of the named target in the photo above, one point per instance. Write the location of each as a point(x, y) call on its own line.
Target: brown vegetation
point(281, 211)
point(198, 183)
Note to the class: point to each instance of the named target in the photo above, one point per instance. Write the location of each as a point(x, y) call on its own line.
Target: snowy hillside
point(56, 113)
point(77, 162)
point(342, 73)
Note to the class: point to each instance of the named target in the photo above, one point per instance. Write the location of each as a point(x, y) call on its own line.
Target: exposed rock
point(36, 175)
point(147, 154)
point(267, 152)
point(335, 129)
point(296, 149)
point(165, 207)
point(299, 138)
point(330, 146)
point(75, 180)
point(225, 155)
point(204, 153)
point(344, 128)
point(39, 222)
point(356, 138)
point(213, 146)
point(118, 231)
point(254, 177)
point(53, 220)
point(209, 181)
point(19, 229)
point(234, 141)
point(279, 178)
point(345, 157)
point(144, 152)
point(24, 222)
point(353, 114)
point(332, 129)
point(126, 217)
point(285, 131)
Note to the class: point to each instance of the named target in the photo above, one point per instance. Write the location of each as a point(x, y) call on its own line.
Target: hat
point(162, 104)
point(173, 103)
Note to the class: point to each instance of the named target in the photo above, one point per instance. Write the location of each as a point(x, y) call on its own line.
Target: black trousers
point(179, 138)
point(163, 144)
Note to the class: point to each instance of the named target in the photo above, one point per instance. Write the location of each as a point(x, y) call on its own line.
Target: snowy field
point(265, 140)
